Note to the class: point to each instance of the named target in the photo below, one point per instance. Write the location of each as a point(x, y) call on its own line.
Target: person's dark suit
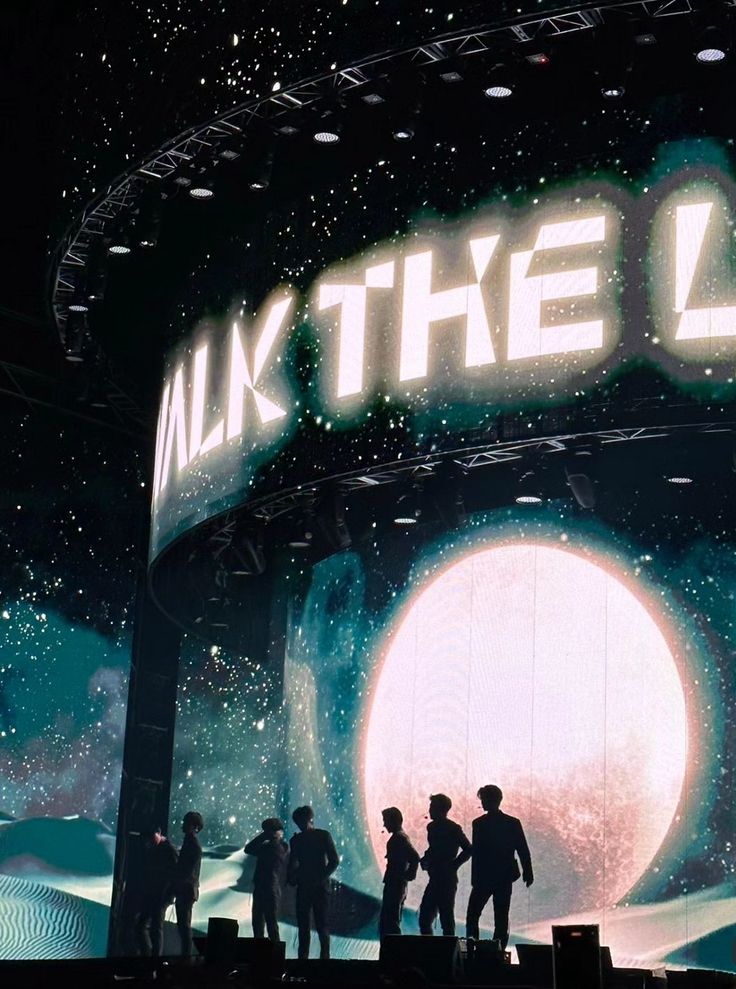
point(497, 839)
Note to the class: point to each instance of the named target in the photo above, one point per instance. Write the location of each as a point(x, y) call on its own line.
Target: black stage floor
point(176, 972)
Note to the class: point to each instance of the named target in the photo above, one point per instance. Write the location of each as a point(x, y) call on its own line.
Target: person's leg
point(157, 930)
point(319, 907)
point(428, 908)
point(303, 906)
point(257, 917)
point(446, 905)
point(183, 904)
point(271, 900)
point(501, 904)
point(142, 933)
point(478, 899)
point(394, 895)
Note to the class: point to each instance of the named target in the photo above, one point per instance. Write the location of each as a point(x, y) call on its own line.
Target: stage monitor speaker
point(438, 958)
point(265, 959)
point(486, 963)
point(222, 942)
point(576, 957)
point(536, 964)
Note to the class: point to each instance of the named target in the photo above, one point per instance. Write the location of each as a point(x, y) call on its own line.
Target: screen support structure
point(147, 757)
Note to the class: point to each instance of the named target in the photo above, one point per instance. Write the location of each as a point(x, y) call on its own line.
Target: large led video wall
point(581, 661)
point(584, 667)
point(69, 538)
point(403, 345)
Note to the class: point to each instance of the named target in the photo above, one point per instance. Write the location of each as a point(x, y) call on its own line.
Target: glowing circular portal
point(537, 669)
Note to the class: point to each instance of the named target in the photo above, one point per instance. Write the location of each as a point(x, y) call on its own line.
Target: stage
point(175, 973)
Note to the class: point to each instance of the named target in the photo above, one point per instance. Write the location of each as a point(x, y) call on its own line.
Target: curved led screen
point(417, 342)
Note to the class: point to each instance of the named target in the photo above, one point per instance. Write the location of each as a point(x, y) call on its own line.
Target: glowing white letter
point(691, 223)
point(421, 307)
point(352, 300)
point(240, 376)
point(163, 415)
point(196, 445)
point(175, 419)
point(527, 336)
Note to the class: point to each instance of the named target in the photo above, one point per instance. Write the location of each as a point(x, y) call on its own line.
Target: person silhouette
point(312, 861)
point(448, 849)
point(497, 840)
point(186, 878)
point(159, 868)
point(402, 861)
point(272, 853)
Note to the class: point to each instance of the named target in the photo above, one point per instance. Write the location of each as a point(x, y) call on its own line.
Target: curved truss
point(419, 469)
point(218, 138)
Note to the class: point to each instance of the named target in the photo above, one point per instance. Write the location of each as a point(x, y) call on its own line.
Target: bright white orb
point(538, 669)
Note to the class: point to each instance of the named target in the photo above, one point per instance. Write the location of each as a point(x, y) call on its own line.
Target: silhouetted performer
point(272, 854)
point(157, 892)
point(402, 861)
point(448, 849)
point(497, 840)
point(186, 885)
point(312, 861)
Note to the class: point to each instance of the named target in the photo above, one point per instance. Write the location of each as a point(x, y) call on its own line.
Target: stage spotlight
point(498, 92)
point(96, 271)
point(303, 535)
point(119, 245)
point(409, 507)
point(452, 70)
point(75, 335)
point(447, 491)
point(248, 556)
point(529, 491)
point(201, 190)
point(581, 486)
point(499, 84)
point(328, 128)
point(712, 45)
point(331, 518)
point(679, 479)
point(79, 299)
point(403, 133)
point(374, 92)
point(260, 170)
point(613, 54)
point(148, 220)
point(580, 471)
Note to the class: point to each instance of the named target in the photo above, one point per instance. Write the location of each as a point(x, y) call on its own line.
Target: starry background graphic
point(73, 537)
point(450, 189)
point(247, 760)
point(132, 76)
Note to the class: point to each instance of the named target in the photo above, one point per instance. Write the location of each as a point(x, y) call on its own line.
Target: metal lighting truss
point(223, 137)
point(219, 532)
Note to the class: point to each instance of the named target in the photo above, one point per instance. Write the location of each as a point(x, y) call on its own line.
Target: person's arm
point(253, 847)
point(333, 859)
point(522, 849)
point(466, 849)
point(293, 865)
point(412, 861)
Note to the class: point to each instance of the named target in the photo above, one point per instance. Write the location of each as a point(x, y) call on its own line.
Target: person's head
point(192, 823)
point(152, 837)
point(303, 817)
point(490, 797)
point(392, 819)
point(273, 827)
point(439, 806)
